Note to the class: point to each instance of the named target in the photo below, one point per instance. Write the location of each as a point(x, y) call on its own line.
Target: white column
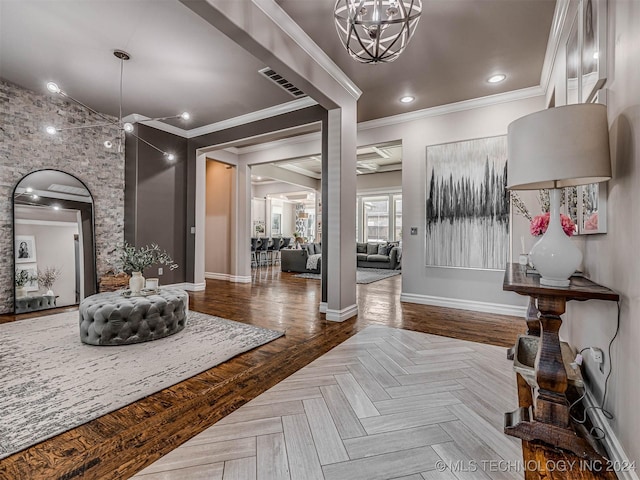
point(241, 225)
point(340, 214)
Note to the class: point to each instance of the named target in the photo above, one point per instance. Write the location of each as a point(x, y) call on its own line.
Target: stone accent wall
point(25, 147)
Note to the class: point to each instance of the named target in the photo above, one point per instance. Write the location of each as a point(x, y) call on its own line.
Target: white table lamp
point(556, 148)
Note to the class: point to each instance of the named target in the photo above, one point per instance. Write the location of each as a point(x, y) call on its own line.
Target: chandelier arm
point(112, 122)
point(148, 143)
point(79, 127)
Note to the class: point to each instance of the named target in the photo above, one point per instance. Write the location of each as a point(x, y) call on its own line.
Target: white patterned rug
point(363, 275)
point(51, 382)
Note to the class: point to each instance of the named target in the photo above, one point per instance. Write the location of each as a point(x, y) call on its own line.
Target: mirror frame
point(94, 280)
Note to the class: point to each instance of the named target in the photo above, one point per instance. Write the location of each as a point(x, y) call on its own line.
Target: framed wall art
point(467, 207)
point(25, 248)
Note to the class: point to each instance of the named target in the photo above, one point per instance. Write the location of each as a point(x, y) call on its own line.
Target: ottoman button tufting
point(138, 319)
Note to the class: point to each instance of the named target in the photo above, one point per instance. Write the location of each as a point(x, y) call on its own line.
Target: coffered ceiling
point(181, 63)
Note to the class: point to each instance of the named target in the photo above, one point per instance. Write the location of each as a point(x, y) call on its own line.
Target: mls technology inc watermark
point(534, 465)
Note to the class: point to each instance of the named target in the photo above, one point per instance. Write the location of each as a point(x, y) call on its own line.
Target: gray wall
point(155, 204)
point(611, 259)
point(379, 181)
point(26, 147)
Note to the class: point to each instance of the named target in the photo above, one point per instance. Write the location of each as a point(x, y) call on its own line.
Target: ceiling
point(379, 158)
point(180, 63)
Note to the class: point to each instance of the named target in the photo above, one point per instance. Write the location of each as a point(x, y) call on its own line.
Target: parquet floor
point(122, 443)
point(385, 404)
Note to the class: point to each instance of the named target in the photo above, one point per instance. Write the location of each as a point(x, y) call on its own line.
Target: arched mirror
point(53, 234)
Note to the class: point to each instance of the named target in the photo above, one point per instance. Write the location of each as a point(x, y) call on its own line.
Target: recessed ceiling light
point(51, 130)
point(407, 99)
point(258, 178)
point(56, 207)
point(497, 78)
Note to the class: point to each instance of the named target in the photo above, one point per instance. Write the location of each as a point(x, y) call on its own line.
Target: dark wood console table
point(544, 408)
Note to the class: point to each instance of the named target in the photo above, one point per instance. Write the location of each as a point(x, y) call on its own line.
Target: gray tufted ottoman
point(111, 319)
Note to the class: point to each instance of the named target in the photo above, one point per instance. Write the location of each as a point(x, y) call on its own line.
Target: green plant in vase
point(135, 260)
point(21, 279)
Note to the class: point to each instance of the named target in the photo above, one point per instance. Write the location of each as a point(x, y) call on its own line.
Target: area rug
point(51, 382)
point(363, 275)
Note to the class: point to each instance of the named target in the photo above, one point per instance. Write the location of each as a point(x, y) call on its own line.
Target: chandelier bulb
point(52, 130)
point(185, 115)
point(28, 189)
point(128, 127)
point(170, 156)
point(53, 87)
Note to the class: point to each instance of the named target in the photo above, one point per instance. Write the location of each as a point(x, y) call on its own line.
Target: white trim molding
point(269, 112)
point(479, 102)
point(280, 109)
point(617, 455)
point(228, 277)
point(323, 307)
point(189, 286)
point(278, 16)
point(553, 43)
point(342, 315)
point(44, 223)
point(460, 304)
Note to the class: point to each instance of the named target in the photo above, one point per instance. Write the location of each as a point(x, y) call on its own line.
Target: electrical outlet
point(414, 230)
point(597, 355)
point(160, 270)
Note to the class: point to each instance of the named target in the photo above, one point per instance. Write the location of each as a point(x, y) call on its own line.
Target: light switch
point(193, 230)
point(414, 230)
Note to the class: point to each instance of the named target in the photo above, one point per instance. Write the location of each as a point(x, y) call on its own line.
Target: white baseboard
point(228, 277)
point(617, 455)
point(189, 286)
point(323, 307)
point(461, 304)
point(342, 315)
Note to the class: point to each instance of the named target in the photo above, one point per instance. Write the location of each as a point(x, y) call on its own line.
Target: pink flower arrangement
point(540, 223)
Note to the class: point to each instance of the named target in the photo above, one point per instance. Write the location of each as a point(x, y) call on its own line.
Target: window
point(397, 226)
point(379, 218)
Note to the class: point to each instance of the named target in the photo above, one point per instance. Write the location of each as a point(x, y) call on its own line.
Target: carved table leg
point(533, 322)
point(550, 402)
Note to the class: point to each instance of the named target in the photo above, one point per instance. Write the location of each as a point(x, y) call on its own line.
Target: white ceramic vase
point(21, 292)
point(136, 282)
point(50, 293)
point(555, 256)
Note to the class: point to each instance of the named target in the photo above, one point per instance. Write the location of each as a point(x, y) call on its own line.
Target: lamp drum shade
point(559, 147)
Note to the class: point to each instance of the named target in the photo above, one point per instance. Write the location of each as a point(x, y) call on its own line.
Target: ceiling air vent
point(282, 82)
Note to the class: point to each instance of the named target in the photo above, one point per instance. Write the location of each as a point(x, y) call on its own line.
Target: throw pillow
point(382, 249)
point(372, 248)
point(390, 247)
point(361, 247)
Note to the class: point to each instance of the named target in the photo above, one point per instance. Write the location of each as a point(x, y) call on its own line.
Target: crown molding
point(269, 112)
point(278, 16)
point(307, 137)
point(288, 107)
point(479, 102)
point(553, 44)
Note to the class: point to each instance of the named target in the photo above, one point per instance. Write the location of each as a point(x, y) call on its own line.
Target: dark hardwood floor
point(123, 442)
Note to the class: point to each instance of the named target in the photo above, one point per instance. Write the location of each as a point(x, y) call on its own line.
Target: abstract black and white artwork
point(467, 206)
